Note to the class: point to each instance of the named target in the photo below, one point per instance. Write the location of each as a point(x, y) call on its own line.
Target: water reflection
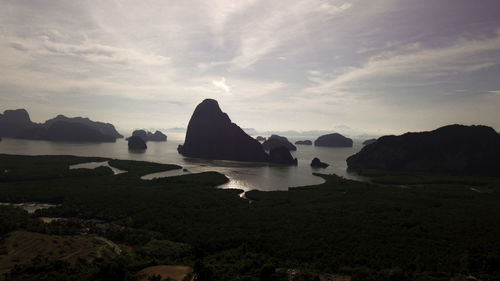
point(29, 207)
point(242, 175)
point(93, 165)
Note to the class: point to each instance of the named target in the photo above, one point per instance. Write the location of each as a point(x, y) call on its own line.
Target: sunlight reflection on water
point(242, 175)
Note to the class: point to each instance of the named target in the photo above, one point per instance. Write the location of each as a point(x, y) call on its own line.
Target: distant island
point(104, 128)
point(453, 148)
point(304, 142)
point(333, 140)
point(148, 136)
point(275, 141)
point(17, 124)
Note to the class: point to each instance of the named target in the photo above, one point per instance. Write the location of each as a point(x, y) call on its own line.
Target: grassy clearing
point(21, 247)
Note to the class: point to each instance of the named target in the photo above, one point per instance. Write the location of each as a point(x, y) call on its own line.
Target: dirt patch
point(175, 272)
point(20, 247)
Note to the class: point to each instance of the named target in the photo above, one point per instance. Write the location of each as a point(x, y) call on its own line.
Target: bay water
point(242, 175)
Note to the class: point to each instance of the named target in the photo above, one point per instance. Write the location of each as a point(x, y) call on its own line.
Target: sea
point(242, 175)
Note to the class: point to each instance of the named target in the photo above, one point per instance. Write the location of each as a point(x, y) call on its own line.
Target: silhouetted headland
point(276, 141)
point(453, 148)
point(17, 124)
point(211, 134)
point(333, 140)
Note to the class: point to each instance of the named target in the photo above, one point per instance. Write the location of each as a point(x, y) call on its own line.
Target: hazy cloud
point(222, 85)
point(273, 65)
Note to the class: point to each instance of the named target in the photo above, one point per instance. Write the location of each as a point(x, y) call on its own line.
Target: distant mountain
point(17, 124)
point(453, 148)
point(104, 128)
point(66, 131)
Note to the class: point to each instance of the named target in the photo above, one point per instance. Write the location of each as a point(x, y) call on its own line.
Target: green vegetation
point(432, 228)
point(141, 168)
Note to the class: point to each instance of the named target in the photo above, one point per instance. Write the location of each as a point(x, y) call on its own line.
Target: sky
point(358, 67)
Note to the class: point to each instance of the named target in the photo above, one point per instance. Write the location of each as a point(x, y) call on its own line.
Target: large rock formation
point(304, 142)
point(141, 134)
point(260, 138)
point(453, 148)
point(275, 141)
point(12, 122)
point(212, 135)
point(333, 140)
point(17, 124)
point(281, 155)
point(136, 143)
point(148, 136)
point(370, 141)
point(316, 163)
point(104, 128)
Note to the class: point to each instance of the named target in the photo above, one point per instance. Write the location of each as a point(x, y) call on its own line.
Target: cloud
point(332, 9)
point(419, 63)
point(304, 64)
point(222, 85)
point(273, 25)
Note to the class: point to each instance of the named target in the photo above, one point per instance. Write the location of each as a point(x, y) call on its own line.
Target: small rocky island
point(148, 136)
point(276, 141)
point(281, 155)
point(211, 134)
point(316, 163)
point(453, 148)
point(136, 143)
point(333, 140)
point(17, 124)
point(304, 142)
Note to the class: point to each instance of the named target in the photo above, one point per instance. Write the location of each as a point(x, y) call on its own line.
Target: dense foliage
point(432, 228)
